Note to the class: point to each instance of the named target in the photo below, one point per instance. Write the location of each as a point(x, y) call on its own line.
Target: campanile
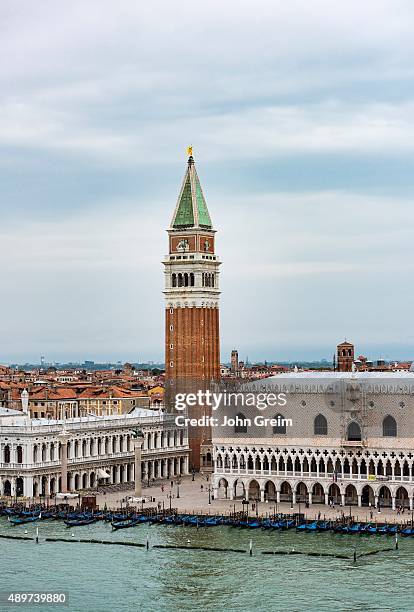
point(192, 341)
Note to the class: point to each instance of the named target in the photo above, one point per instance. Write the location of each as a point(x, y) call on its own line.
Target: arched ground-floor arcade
point(323, 491)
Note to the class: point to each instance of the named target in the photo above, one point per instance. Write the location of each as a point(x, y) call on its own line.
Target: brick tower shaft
point(192, 340)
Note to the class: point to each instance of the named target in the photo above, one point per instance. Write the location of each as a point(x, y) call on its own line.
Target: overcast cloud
point(301, 115)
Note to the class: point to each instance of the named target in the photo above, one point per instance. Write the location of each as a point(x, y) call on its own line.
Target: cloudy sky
point(301, 115)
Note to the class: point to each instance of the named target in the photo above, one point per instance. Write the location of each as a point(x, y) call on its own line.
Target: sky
point(301, 116)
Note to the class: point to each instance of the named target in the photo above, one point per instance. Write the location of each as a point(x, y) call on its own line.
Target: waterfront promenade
point(193, 497)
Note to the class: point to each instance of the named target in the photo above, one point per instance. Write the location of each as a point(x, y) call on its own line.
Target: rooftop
point(191, 210)
point(338, 375)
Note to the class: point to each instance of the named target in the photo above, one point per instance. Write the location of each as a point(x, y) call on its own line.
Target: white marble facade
point(99, 450)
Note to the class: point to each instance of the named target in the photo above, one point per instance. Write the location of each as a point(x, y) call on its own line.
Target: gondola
point(408, 531)
point(21, 520)
point(312, 526)
point(155, 519)
point(9, 512)
point(171, 520)
point(125, 524)
point(324, 526)
point(369, 529)
point(212, 522)
point(286, 524)
point(79, 522)
point(48, 515)
point(339, 529)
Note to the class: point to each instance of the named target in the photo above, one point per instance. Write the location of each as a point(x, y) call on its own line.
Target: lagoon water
point(101, 578)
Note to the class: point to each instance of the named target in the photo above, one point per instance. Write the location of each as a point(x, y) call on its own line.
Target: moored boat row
point(129, 518)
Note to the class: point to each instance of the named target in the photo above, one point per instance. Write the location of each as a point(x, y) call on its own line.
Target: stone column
point(411, 503)
point(343, 500)
point(278, 497)
point(310, 498)
point(63, 438)
point(359, 501)
point(262, 495)
point(138, 440)
point(326, 499)
point(28, 486)
point(393, 502)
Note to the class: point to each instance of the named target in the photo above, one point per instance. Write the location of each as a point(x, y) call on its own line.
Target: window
point(240, 425)
point(389, 427)
point(280, 427)
point(354, 432)
point(19, 454)
point(320, 425)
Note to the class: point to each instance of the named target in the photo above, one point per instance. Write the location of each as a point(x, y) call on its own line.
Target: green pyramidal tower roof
point(191, 209)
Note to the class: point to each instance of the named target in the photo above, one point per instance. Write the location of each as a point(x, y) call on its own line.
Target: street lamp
point(178, 487)
point(170, 497)
point(209, 495)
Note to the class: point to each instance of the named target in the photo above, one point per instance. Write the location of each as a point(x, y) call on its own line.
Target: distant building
point(234, 362)
point(345, 356)
point(225, 371)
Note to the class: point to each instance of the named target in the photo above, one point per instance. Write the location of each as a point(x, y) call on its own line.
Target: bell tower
point(192, 344)
point(345, 356)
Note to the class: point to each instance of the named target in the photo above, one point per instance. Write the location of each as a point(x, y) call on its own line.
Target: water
point(115, 578)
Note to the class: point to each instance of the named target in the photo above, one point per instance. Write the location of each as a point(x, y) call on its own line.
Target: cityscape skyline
point(206, 360)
